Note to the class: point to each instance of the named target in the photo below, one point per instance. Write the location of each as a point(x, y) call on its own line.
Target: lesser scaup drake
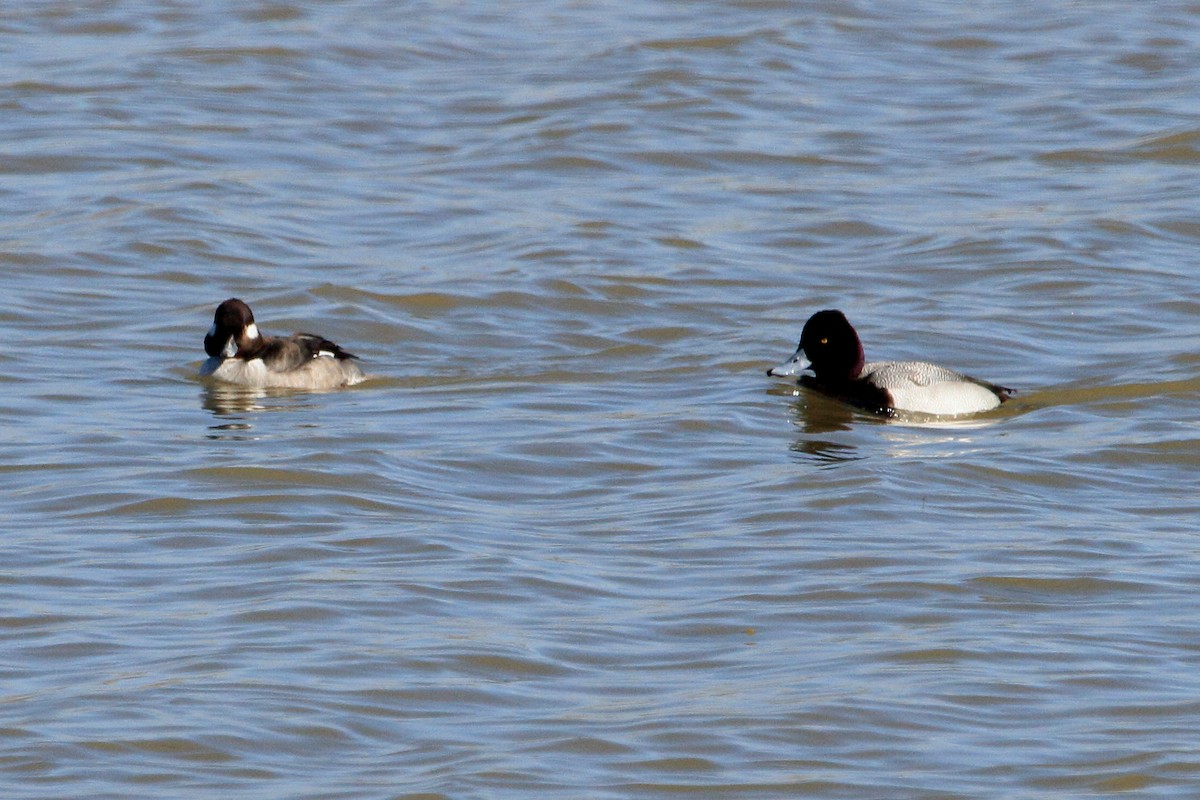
point(830, 349)
point(239, 353)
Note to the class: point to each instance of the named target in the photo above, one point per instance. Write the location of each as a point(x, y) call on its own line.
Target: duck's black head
point(832, 346)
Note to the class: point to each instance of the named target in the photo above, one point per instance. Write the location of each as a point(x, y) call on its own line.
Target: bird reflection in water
point(827, 425)
point(224, 399)
point(234, 405)
point(231, 404)
point(819, 419)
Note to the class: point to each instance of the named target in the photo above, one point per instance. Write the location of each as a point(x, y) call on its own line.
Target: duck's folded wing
point(929, 388)
point(282, 355)
point(925, 374)
point(890, 374)
point(314, 346)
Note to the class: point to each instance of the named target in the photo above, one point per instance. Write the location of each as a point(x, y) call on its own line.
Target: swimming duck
point(831, 350)
point(239, 353)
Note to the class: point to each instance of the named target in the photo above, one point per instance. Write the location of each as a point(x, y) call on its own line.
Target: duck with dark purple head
point(831, 350)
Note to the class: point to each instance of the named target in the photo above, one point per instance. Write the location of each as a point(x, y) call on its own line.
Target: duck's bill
point(213, 346)
point(793, 366)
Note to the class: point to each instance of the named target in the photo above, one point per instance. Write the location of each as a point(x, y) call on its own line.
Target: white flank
point(930, 389)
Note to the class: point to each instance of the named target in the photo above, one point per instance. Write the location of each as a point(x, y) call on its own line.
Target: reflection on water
point(833, 433)
point(817, 416)
point(225, 400)
point(823, 452)
point(235, 407)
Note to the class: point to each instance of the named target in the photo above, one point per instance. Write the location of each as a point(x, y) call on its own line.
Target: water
point(571, 541)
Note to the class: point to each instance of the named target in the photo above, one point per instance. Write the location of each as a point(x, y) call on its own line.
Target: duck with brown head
point(239, 353)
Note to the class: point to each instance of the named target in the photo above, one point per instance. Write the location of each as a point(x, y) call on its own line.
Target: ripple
point(569, 513)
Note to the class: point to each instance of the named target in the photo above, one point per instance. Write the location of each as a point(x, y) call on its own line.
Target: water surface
point(571, 541)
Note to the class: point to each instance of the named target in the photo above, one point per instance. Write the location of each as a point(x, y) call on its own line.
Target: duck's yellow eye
point(824, 340)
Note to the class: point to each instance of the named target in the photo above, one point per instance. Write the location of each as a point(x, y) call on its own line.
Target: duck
point(831, 350)
point(239, 353)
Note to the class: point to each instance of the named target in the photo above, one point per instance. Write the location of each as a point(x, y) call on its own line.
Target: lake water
point(571, 541)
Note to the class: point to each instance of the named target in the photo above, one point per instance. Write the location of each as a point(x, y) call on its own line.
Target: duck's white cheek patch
point(251, 331)
point(230, 348)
